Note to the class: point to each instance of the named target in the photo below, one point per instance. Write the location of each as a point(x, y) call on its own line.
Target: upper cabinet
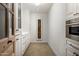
point(72, 10)
point(6, 20)
point(11, 19)
point(77, 8)
point(3, 23)
point(18, 17)
point(7, 29)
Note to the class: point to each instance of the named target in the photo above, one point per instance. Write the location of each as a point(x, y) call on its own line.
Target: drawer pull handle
point(76, 14)
point(10, 41)
point(17, 39)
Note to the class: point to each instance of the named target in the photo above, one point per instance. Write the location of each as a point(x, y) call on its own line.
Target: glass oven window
point(74, 30)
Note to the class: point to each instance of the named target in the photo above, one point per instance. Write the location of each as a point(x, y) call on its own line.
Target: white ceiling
point(42, 8)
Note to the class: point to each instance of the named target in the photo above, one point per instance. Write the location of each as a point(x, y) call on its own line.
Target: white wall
point(25, 13)
point(56, 29)
point(34, 24)
point(25, 19)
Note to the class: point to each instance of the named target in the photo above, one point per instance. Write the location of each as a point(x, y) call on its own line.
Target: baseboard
point(52, 50)
point(38, 42)
point(26, 48)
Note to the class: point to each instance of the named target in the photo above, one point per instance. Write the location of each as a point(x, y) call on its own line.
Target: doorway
point(39, 29)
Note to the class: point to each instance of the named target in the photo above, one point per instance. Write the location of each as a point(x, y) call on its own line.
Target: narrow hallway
point(29, 29)
point(39, 49)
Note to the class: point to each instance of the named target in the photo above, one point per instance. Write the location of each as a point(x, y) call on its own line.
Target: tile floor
point(39, 49)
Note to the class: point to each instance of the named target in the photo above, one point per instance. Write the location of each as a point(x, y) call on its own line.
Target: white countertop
point(23, 33)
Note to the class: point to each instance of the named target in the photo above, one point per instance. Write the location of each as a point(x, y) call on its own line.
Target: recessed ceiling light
point(37, 4)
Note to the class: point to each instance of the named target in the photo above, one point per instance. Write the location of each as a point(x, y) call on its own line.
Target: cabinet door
point(8, 51)
point(18, 47)
point(71, 8)
point(69, 53)
point(16, 17)
point(77, 9)
point(23, 44)
point(3, 22)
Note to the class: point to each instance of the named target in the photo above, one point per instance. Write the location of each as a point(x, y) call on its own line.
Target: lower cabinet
point(6, 47)
point(22, 43)
point(18, 46)
point(69, 53)
point(8, 51)
point(25, 42)
point(72, 49)
point(3, 45)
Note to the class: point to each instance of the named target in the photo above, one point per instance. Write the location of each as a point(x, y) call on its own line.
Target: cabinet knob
point(76, 14)
point(17, 39)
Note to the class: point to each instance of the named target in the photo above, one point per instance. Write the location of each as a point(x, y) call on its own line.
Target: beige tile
point(39, 49)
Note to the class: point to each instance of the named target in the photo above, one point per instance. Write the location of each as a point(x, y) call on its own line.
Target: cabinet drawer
point(8, 51)
point(69, 53)
point(3, 45)
point(73, 45)
point(72, 48)
point(12, 39)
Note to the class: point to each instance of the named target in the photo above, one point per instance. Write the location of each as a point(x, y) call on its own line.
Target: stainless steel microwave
point(72, 29)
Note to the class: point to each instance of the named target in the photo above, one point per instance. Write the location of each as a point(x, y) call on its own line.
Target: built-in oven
point(72, 29)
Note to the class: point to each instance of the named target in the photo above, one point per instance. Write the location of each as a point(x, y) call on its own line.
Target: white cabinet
point(18, 46)
point(25, 42)
point(72, 49)
point(18, 18)
point(22, 43)
point(69, 53)
point(72, 10)
point(77, 8)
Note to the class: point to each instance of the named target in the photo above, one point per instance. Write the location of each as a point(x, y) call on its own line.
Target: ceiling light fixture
point(37, 4)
